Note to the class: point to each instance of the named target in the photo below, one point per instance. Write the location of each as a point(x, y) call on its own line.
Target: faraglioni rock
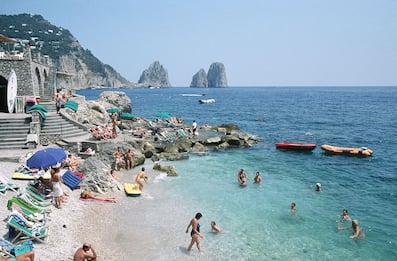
point(155, 76)
point(199, 80)
point(216, 76)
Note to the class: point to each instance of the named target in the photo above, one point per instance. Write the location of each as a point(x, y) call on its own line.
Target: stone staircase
point(13, 130)
point(57, 128)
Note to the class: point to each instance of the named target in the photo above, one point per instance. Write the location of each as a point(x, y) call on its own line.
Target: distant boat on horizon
point(192, 94)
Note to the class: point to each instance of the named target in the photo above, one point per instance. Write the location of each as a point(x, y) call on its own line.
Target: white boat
point(207, 101)
point(192, 94)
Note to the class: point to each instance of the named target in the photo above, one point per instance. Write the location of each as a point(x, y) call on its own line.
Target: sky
point(260, 42)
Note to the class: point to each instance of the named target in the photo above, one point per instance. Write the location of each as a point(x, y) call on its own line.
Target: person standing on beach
point(114, 125)
point(117, 156)
point(56, 179)
point(129, 159)
point(86, 252)
point(195, 233)
point(194, 128)
point(138, 179)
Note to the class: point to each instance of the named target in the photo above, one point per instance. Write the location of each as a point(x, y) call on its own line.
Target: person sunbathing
point(71, 162)
point(89, 195)
point(27, 256)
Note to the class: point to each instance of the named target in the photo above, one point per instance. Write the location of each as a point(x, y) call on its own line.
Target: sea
point(256, 220)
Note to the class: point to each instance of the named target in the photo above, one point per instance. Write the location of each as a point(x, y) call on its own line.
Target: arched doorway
point(3, 94)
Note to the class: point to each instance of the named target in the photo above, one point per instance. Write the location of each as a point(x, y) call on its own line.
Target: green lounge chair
point(23, 233)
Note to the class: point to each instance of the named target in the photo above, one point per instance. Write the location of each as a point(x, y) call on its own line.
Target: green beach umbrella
point(38, 107)
point(163, 115)
point(113, 110)
point(127, 116)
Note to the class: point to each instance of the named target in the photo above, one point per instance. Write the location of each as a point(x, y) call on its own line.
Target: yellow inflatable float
point(132, 190)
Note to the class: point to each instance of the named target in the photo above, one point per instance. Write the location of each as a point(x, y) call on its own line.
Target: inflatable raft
point(362, 152)
point(132, 190)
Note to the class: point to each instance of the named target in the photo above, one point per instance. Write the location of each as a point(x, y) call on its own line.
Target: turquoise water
point(256, 219)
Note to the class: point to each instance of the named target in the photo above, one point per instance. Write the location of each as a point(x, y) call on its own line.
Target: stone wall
point(32, 75)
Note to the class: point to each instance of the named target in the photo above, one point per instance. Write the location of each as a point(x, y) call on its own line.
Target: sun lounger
point(7, 185)
point(23, 233)
point(35, 204)
point(36, 199)
point(11, 250)
point(23, 205)
point(35, 194)
point(71, 180)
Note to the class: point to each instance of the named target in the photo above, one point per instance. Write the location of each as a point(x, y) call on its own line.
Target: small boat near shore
point(361, 152)
point(204, 101)
point(295, 146)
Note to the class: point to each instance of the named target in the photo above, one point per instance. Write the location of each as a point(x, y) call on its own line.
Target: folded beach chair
point(45, 206)
point(22, 233)
point(34, 193)
point(5, 184)
point(35, 199)
point(70, 179)
point(8, 249)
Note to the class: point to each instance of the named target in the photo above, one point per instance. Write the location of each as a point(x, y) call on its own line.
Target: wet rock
point(170, 170)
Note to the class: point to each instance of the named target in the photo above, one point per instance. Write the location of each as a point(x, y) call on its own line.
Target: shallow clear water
point(256, 219)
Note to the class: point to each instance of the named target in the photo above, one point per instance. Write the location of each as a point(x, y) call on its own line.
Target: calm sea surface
point(256, 219)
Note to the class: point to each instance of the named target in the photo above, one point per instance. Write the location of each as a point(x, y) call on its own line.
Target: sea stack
point(199, 80)
point(155, 76)
point(216, 76)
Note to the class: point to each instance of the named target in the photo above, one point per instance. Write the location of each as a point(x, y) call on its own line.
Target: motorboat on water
point(192, 94)
point(363, 151)
point(295, 145)
point(203, 101)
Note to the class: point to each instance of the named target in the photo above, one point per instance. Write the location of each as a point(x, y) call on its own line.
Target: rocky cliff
point(199, 80)
point(76, 67)
point(155, 76)
point(217, 76)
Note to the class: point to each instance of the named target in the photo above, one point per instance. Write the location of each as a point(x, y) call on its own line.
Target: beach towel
point(95, 199)
point(71, 180)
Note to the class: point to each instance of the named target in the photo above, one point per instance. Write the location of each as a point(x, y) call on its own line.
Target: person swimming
point(215, 228)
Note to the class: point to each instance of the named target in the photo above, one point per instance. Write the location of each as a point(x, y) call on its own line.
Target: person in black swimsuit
point(195, 233)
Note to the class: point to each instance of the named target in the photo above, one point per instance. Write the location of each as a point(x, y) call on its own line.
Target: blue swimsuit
point(198, 230)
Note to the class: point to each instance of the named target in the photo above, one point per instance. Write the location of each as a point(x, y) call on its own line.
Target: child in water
point(215, 228)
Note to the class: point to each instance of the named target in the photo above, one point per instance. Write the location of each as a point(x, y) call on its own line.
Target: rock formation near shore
point(217, 76)
point(199, 80)
point(155, 76)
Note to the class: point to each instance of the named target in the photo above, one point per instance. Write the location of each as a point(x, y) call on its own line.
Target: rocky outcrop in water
point(199, 80)
point(217, 76)
point(155, 76)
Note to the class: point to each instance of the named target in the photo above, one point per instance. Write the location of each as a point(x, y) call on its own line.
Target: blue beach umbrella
point(46, 158)
point(113, 110)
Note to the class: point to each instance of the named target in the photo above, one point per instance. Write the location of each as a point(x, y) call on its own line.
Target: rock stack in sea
point(216, 77)
point(155, 76)
point(199, 80)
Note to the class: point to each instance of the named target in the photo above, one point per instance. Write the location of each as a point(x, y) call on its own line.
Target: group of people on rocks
point(120, 157)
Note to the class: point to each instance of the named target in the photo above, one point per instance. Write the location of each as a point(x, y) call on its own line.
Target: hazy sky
point(260, 42)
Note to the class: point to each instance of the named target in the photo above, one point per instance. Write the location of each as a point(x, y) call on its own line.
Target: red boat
point(295, 145)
